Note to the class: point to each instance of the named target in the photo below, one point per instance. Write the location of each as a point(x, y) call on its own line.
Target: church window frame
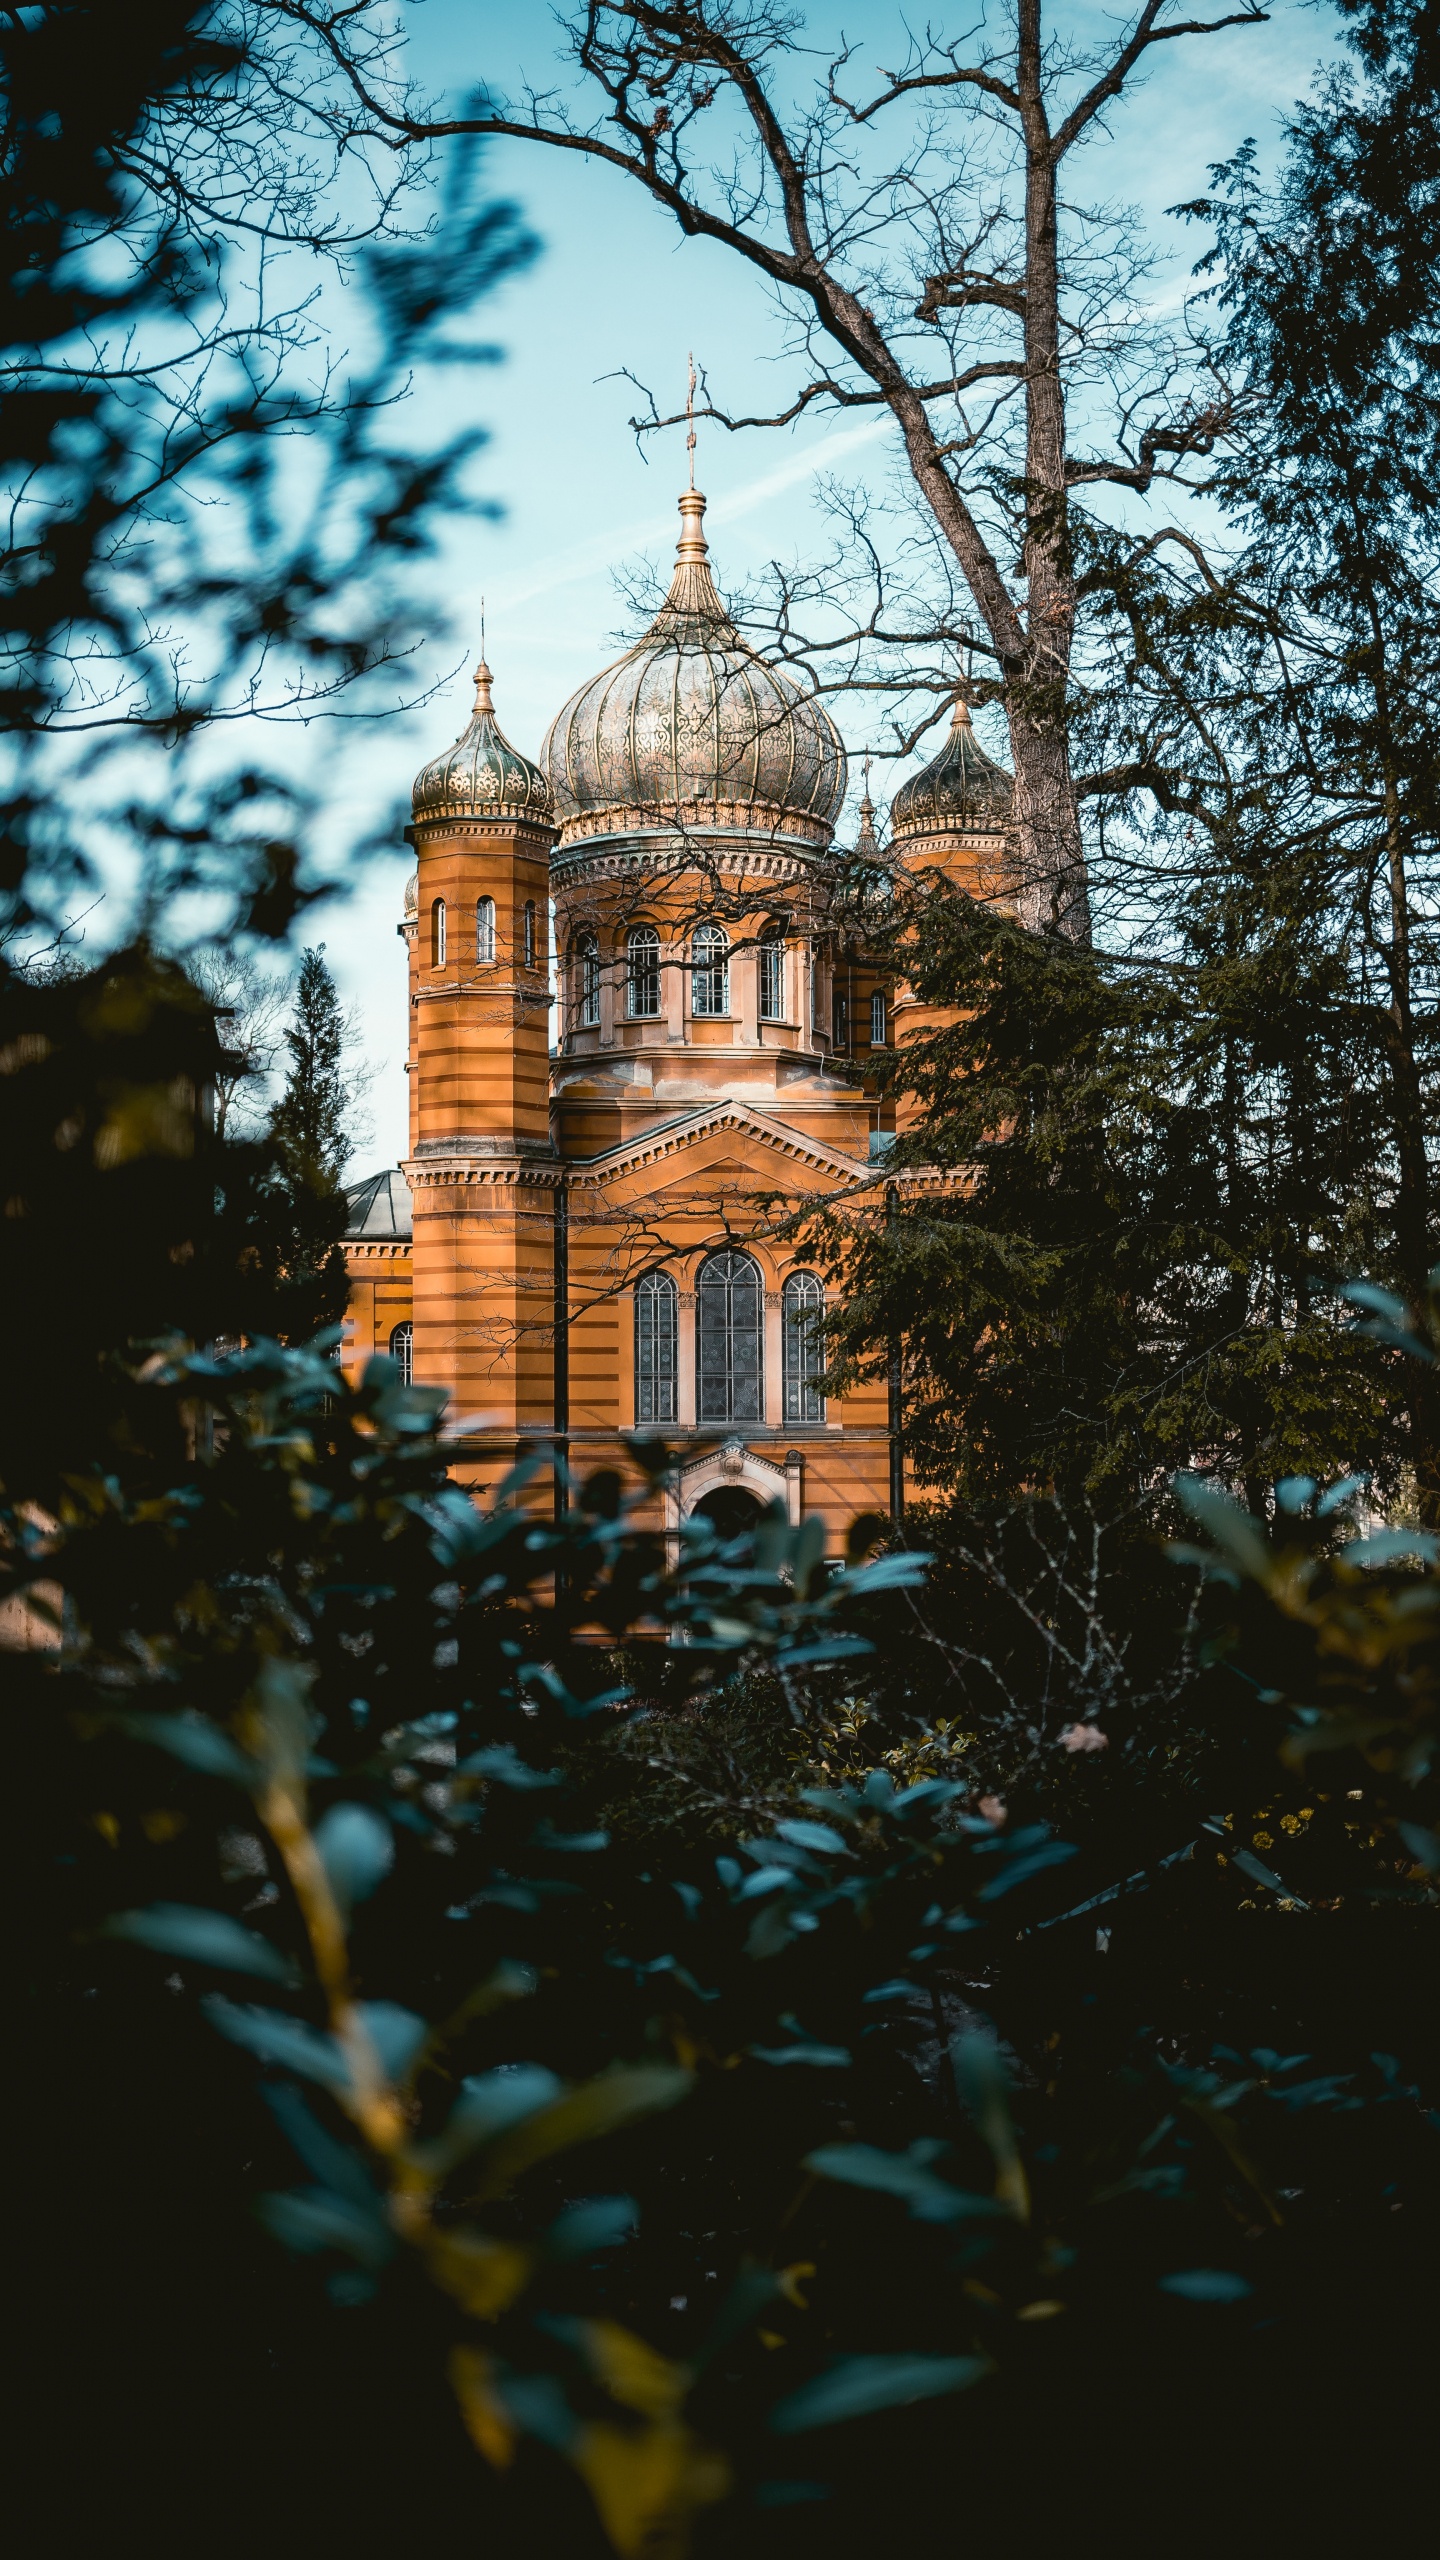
point(587, 981)
point(802, 1321)
point(642, 973)
point(729, 1339)
point(437, 934)
point(484, 932)
point(529, 933)
point(772, 978)
point(840, 1019)
point(657, 1348)
point(710, 973)
point(879, 1025)
point(402, 1349)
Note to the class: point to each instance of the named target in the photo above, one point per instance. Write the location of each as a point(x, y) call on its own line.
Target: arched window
point(877, 1020)
point(772, 979)
point(642, 977)
point(710, 980)
point(402, 1349)
point(437, 934)
point(804, 1327)
point(529, 933)
point(656, 1336)
point(587, 979)
point(484, 929)
point(729, 1335)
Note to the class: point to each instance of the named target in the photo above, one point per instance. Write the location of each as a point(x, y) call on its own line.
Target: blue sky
point(616, 286)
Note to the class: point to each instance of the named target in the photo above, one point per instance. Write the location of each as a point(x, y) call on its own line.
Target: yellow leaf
point(646, 2484)
point(484, 2275)
point(632, 2372)
point(487, 2420)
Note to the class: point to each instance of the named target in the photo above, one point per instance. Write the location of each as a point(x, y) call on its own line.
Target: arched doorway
point(730, 1510)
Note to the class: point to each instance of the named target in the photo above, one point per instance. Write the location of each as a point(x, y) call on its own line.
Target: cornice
point(359, 1249)
point(422, 832)
point(463, 1169)
point(637, 838)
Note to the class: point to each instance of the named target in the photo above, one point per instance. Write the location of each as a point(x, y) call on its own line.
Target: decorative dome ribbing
point(482, 775)
point(962, 787)
point(691, 726)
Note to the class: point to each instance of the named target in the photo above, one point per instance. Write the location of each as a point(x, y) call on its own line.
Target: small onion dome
point(692, 727)
point(962, 787)
point(482, 775)
point(412, 896)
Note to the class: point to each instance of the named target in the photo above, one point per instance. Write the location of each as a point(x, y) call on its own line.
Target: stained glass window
point(729, 1339)
point(804, 1326)
point(402, 1342)
point(655, 1345)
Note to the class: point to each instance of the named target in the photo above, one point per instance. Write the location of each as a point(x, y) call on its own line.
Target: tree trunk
point(1054, 893)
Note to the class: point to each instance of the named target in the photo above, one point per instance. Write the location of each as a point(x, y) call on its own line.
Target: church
point(596, 1236)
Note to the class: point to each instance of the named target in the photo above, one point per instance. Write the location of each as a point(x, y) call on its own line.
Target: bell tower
point(484, 1177)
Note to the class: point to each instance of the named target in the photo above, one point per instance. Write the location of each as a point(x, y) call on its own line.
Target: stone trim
point(598, 1172)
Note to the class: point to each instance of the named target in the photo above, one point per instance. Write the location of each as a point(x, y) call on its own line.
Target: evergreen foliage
point(304, 1207)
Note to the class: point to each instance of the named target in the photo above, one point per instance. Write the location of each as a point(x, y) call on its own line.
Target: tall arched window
point(877, 1020)
point(656, 1337)
point(710, 978)
point(529, 933)
point(587, 979)
point(729, 1338)
point(402, 1342)
point(437, 934)
point(840, 1013)
point(642, 977)
point(804, 1327)
point(484, 929)
point(772, 979)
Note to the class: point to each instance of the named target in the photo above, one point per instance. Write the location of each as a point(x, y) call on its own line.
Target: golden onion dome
point(961, 788)
point(482, 775)
point(692, 727)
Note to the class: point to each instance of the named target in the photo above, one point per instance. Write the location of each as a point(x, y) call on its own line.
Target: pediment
point(728, 1137)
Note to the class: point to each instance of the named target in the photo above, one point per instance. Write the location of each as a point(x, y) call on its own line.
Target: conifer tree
point(304, 1206)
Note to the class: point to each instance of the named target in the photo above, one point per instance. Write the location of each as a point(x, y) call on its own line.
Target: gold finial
point(482, 688)
point(866, 801)
point(690, 421)
point(960, 718)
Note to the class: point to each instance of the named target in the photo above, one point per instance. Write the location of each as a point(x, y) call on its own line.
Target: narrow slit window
point(772, 979)
point(877, 1021)
point(804, 1329)
point(402, 1349)
point(529, 933)
point(841, 1016)
point(656, 1342)
point(710, 972)
point(729, 1340)
point(437, 934)
point(642, 976)
point(484, 930)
